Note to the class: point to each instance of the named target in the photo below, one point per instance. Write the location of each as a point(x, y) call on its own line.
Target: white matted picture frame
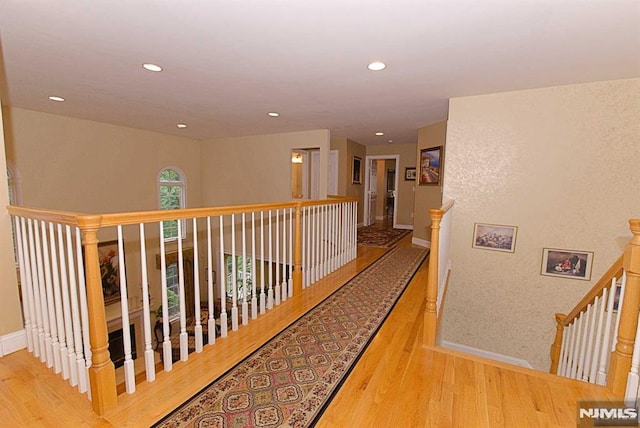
point(571, 264)
point(495, 237)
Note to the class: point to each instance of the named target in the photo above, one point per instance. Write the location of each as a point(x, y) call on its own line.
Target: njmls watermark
point(606, 414)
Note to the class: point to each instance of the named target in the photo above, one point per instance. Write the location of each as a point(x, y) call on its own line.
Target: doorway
point(381, 184)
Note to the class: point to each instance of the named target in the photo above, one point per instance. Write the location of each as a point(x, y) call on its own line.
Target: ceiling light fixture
point(390, 141)
point(151, 67)
point(56, 98)
point(181, 125)
point(377, 66)
point(273, 114)
point(379, 134)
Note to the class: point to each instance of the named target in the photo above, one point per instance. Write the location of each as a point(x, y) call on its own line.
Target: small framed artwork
point(495, 237)
point(355, 170)
point(109, 271)
point(571, 264)
point(410, 174)
point(430, 165)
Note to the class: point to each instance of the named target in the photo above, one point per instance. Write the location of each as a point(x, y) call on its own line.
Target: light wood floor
point(397, 382)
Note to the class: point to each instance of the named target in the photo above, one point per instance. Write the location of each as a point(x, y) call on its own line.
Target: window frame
point(182, 184)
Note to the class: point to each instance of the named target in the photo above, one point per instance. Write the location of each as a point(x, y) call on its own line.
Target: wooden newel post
point(621, 357)
point(431, 310)
point(556, 346)
point(297, 252)
point(102, 376)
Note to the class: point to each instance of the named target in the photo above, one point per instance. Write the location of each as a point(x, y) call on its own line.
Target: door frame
point(367, 166)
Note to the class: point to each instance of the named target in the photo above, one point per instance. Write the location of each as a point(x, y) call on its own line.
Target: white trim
point(367, 164)
point(421, 242)
point(12, 342)
point(486, 354)
point(403, 226)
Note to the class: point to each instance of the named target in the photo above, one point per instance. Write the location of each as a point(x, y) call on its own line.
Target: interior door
point(372, 191)
point(332, 175)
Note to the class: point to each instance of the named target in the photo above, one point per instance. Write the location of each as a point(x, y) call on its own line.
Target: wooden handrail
point(615, 271)
point(63, 217)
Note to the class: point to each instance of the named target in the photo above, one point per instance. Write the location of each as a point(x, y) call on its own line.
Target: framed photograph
point(410, 174)
point(430, 165)
point(495, 237)
point(109, 271)
point(571, 264)
point(355, 170)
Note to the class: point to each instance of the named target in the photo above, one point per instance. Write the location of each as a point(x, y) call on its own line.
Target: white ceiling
point(229, 62)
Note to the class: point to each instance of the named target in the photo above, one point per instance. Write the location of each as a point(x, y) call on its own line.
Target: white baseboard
point(12, 342)
point(486, 354)
point(421, 242)
point(403, 226)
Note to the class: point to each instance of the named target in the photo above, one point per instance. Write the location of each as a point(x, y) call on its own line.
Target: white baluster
point(57, 299)
point(573, 370)
point(25, 283)
point(270, 291)
point(149, 361)
point(563, 352)
point(284, 286)
point(51, 342)
point(76, 363)
point(211, 321)
point(83, 372)
point(263, 299)
point(254, 299)
point(245, 304)
point(596, 346)
point(41, 300)
point(129, 370)
point(277, 283)
point(66, 348)
point(585, 339)
point(184, 336)
point(234, 277)
point(601, 378)
point(623, 285)
point(223, 289)
point(290, 279)
point(167, 352)
point(196, 289)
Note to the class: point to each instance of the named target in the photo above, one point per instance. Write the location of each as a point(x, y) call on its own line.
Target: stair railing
point(62, 278)
point(439, 269)
point(595, 341)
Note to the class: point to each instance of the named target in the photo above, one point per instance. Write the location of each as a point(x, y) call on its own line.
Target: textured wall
point(560, 163)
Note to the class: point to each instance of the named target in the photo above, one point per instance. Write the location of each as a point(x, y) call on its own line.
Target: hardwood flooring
point(397, 382)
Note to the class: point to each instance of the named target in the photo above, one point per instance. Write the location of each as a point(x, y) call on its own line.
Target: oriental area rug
point(373, 236)
point(289, 381)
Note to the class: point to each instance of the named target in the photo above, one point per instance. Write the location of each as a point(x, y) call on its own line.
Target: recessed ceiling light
point(181, 125)
point(377, 66)
point(390, 141)
point(151, 67)
point(55, 98)
point(379, 134)
point(273, 114)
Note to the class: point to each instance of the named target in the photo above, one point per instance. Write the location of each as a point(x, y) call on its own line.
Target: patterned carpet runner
point(373, 236)
point(290, 379)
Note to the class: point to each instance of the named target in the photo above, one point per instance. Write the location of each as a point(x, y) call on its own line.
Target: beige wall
point(428, 196)
point(405, 191)
point(10, 303)
point(79, 165)
point(347, 149)
point(560, 164)
point(256, 169)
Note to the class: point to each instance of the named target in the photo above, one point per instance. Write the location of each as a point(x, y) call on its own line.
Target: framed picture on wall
point(572, 264)
point(109, 271)
point(430, 165)
point(410, 174)
point(495, 237)
point(355, 170)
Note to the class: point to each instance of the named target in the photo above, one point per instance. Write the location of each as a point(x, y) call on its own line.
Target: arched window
point(172, 196)
point(13, 181)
